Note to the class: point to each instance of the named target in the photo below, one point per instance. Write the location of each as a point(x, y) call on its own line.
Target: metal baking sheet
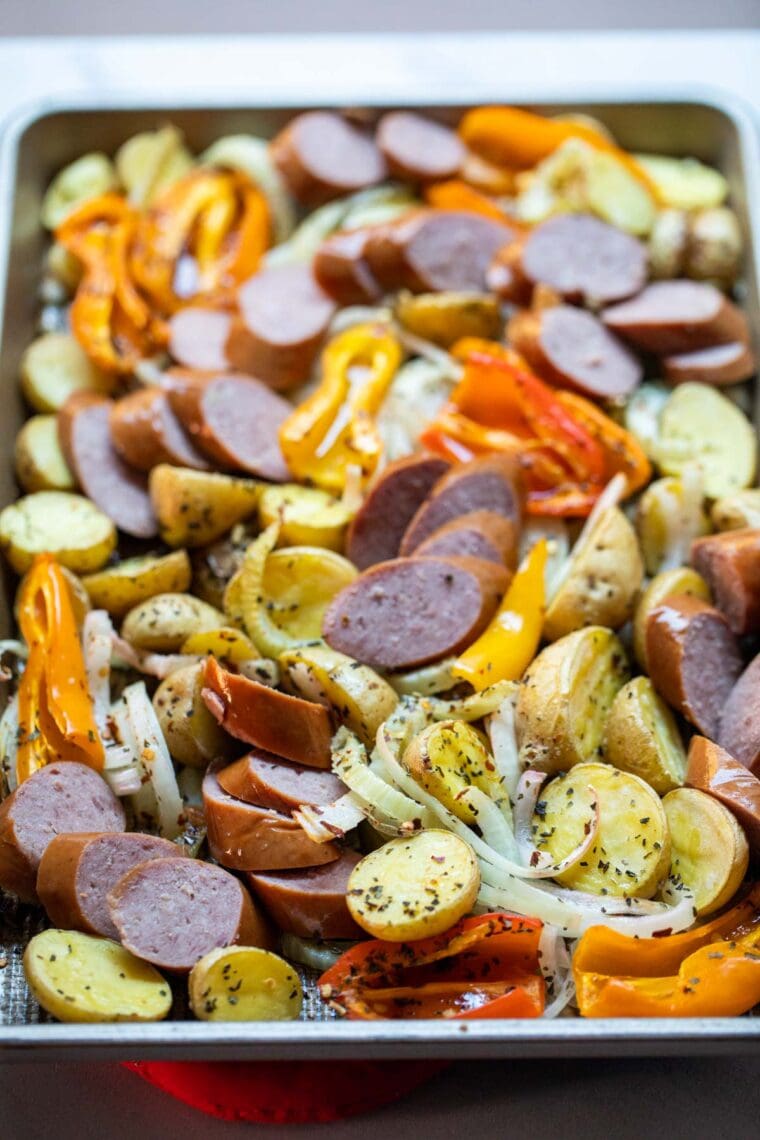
point(35, 145)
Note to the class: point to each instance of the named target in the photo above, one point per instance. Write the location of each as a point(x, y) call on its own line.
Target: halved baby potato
point(164, 622)
point(307, 516)
point(445, 318)
point(87, 177)
point(244, 983)
point(413, 888)
point(151, 161)
point(300, 582)
point(118, 588)
point(195, 508)
point(700, 426)
point(54, 367)
point(631, 853)
point(682, 580)
point(709, 849)
point(641, 736)
point(225, 643)
point(192, 735)
point(68, 526)
point(39, 461)
point(449, 757)
point(669, 517)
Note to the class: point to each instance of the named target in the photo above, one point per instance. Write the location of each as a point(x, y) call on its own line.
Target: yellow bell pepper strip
point(334, 429)
point(56, 716)
point(508, 645)
point(711, 971)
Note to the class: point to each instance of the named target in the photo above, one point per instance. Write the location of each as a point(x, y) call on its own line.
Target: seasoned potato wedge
point(192, 735)
point(631, 853)
point(53, 367)
point(164, 622)
point(39, 461)
point(445, 318)
point(76, 977)
point(151, 161)
point(85, 178)
point(307, 516)
point(225, 643)
point(669, 517)
point(449, 757)
point(604, 576)
point(360, 697)
point(69, 526)
point(565, 697)
point(709, 849)
point(734, 512)
point(244, 983)
point(714, 251)
point(642, 737)
point(682, 580)
point(301, 581)
point(666, 248)
point(694, 414)
point(195, 508)
point(684, 183)
point(416, 887)
point(118, 588)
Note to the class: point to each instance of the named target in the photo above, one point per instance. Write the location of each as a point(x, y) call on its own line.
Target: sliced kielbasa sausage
point(120, 491)
point(713, 770)
point(419, 149)
point(322, 156)
point(378, 527)
point(480, 534)
point(269, 782)
point(693, 659)
point(145, 431)
point(740, 723)
point(670, 317)
point(233, 419)
point(722, 364)
point(56, 799)
point(310, 903)
point(342, 270)
point(730, 564)
point(197, 338)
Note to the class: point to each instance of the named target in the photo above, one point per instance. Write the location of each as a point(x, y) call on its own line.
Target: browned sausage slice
point(572, 348)
point(418, 149)
point(431, 251)
point(378, 527)
point(77, 871)
point(412, 611)
point(722, 364)
point(245, 837)
point(145, 431)
point(489, 484)
point(711, 769)
point(341, 268)
point(311, 903)
point(233, 419)
point(283, 317)
point(693, 659)
point(173, 911)
point(286, 726)
point(480, 534)
point(269, 782)
point(730, 563)
point(197, 338)
point(321, 156)
point(677, 316)
point(119, 490)
point(59, 798)
point(740, 723)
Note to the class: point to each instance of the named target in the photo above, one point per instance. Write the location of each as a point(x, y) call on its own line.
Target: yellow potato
point(192, 735)
point(413, 888)
point(244, 983)
point(307, 516)
point(78, 978)
point(68, 526)
point(449, 757)
point(164, 622)
point(118, 588)
point(225, 643)
point(642, 414)
point(641, 736)
point(301, 581)
point(39, 461)
point(86, 178)
point(604, 576)
point(631, 852)
point(734, 512)
point(684, 183)
point(667, 243)
point(565, 697)
point(54, 367)
point(151, 161)
point(682, 580)
point(669, 517)
point(715, 247)
point(700, 426)
point(445, 318)
point(709, 849)
point(195, 508)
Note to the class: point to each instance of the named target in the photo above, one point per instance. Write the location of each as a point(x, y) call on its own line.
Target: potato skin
point(164, 622)
point(192, 735)
point(118, 588)
point(641, 737)
point(683, 580)
point(39, 462)
point(244, 983)
point(709, 849)
point(66, 525)
point(194, 508)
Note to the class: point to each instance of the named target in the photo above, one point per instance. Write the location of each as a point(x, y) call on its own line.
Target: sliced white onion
point(97, 636)
point(330, 821)
point(350, 764)
point(158, 799)
point(474, 707)
point(359, 315)
point(9, 729)
point(158, 665)
point(123, 781)
point(311, 953)
point(502, 734)
point(449, 366)
point(190, 784)
point(526, 798)
point(610, 497)
point(556, 967)
point(424, 682)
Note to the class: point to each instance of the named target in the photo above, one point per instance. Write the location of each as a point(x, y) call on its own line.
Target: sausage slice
point(342, 270)
point(730, 564)
point(197, 337)
point(418, 149)
point(282, 319)
point(693, 659)
point(378, 527)
point(678, 316)
point(173, 911)
point(322, 156)
point(119, 490)
point(310, 903)
point(269, 782)
point(411, 611)
point(58, 798)
point(572, 348)
point(234, 419)
point(713, 770)
point(740, 723)
point(77, 872)
point(145, 431)
point(480, 534)
point(723, 364)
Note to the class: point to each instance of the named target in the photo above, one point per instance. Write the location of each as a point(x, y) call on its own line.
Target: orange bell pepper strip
point(509, 643)
point(486, 966)
point(457, 195)
point(56, 716)
point(622, 450)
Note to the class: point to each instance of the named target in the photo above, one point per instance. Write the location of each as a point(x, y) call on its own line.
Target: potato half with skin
point(449, 757)
point(300, 582)
point(445, 318)
point(118, 588)
point(307, 516)
point(79, 978)
point(54, 367)
point(700, 426)
point(225, 643)
point(604, 577)
point(163, 623)
point(631, 853)
point(641, 736)
point(244, 983)
point(565, 696)
point(709, 849)
point(735, 512)
point(195, 508)
point(682, 580)
point(39, 462)
point(192, 735)
point(68, 526)
point(669, 516)
point(413, 888)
